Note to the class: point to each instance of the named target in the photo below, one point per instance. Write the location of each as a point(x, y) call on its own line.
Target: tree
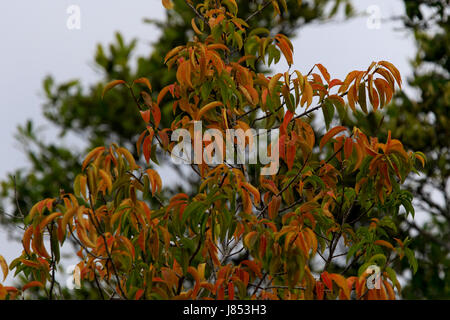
point(53, 165)
point(250, 230)
point(422, 121)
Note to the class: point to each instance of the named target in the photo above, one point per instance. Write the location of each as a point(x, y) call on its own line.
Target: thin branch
point(258, 11)
point(198, 14)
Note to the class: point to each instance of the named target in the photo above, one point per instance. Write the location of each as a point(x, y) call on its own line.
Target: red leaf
point(145, 116)
point(139, 294)
point(326, 280)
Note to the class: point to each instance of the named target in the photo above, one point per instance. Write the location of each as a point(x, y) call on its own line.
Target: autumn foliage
point(310, 231)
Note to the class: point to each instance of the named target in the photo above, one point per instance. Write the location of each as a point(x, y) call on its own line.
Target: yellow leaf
point(307, 94)
point(168, 4)
point(92, 154)
point(129, 158)
point(49, 219)
point(68, 216)
point(106, 178)
point(194, 26)
point(273, 82)
point(4, 267)
point(208, 107)
point(173, 52)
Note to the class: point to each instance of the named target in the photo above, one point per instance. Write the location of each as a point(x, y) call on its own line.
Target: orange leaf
point(32, 284)
point(385, 244)
point(184, 73)
point(111, 85)
point(333, 131)
point(324, 72)
point(393, 70)
point(287, 52)
point(342, 283)
point(144, 81)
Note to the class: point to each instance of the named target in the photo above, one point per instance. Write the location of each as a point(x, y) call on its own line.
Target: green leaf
point(362, 97)
point(194, 207)
point(379, 259)
point(328, 112)
point(411, 259)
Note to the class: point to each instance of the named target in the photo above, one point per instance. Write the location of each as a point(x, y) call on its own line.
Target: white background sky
point(36, 42)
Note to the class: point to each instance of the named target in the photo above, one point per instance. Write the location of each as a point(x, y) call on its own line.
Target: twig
point(258, 11)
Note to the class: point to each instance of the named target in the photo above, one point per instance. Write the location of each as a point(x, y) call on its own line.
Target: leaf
point(307, 94)
point(328, 112)
point(208, 107)
point(156, 112)
point(129, 157)
point(184, 73)
point(4, 267)
point(144, 81)
point(348, 147)
point(342, 283)
point(362, 97)
point(393, 70)
point(253, 191)
point(172, 53)
point(290, 154)
point(273, 82)
point(421, 157)
point(26, 241)
point(92, 154)
point(286, 50)
point(334, 131)
point(351, 96)
point(324, 72)
point(111, 85)
point(168, 4)
point(139, 294)
point(32, 284)
point(195, 28)
point(412, 259)
point(49, 219)
point(384, 244)
point(326, 280)
point(145, 116)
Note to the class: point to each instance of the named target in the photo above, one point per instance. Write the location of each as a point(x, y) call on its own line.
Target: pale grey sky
point(36, 42)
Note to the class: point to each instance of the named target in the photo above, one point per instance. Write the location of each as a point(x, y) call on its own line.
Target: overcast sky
point(36, 42)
